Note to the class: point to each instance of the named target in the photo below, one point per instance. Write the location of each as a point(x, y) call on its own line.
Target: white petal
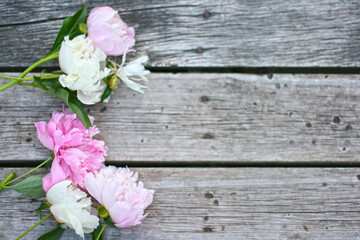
point(84, 67)
point(58, 210)
point(57, 192)
point(72, 207)
point(68, 80)
point(141, 60)
point(133, 85)
point(75, 224)
point(65, 57)
point(93, 97)
point(90, 98)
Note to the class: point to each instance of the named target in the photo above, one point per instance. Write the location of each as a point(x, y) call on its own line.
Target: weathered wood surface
point(203, 33)
point(204, 118)
point(224, 203)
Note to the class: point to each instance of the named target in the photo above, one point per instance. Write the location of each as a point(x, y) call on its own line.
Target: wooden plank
point(204, 33)
point(206, 118)
point(225, 203)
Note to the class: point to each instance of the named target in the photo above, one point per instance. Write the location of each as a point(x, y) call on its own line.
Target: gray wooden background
point(249, 129)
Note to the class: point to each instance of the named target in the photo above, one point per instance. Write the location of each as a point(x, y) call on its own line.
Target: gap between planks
point(202, 164)
point(269, 70)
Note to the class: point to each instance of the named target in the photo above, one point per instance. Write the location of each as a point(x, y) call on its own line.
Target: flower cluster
point(88, 75)
point(78, 172)
point(78, 180)
point(83, 59)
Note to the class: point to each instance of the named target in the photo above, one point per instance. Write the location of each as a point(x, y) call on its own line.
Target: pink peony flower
point(108, 32)
point(116, 189)
point(75, 152)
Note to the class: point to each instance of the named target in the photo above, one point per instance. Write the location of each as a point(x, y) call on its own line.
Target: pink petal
point(44, 135)
point(122, 214)
point(94, 186)
point(100, 14)
point(55, 176)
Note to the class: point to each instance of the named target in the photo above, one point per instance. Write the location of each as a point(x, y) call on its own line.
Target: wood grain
point(224, 203)
point(206, 118)
point(200, 34)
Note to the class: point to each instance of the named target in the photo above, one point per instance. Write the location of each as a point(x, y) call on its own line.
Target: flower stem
point(14, 78)
point(29, 69)
point(38, 223)
point(43, 163)
point(101, 231)
point(41, 61)
point(29, 84)
point(31, 78)
point(6, 180)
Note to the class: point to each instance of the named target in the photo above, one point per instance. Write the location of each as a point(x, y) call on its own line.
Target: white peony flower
point(84, 68)
point(133, 72)
point(71, 207)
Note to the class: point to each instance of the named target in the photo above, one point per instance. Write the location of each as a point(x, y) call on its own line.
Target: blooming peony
point(84, 69)
point(76, 153)
point(71, 207)
point(116, 189)
point(133, 72)
point(108, 32)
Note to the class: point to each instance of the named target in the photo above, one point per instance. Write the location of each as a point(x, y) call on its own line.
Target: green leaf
point(53, 235)
point(70, 27)
point(96, 232)
point(106, 80)
point(39, 209)
point(57, 85)
point(69, 98)
point(50, 82)
point(75, 106)
point(43, 73)
point(109, 222)
point(62, 94)
point(31, 186)
point(38, 82)
point(106, 93)
point(48, 164)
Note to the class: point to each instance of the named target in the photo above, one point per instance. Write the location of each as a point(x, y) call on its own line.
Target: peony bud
point(102, 211)
point(108, 32)
point(114, 82)
point(83, 28)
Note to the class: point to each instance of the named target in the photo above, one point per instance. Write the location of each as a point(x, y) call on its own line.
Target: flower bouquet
point(81, 192)
point(87, 76)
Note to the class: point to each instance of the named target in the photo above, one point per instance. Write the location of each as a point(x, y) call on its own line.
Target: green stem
point(29, 69)
point(42, 164)
point(14, 78)
point(47, 76)
point(28, 84)
point(101, 231)
point(38, 223)
point(31, 78)
point(36, 86)
point(41, 61)
point(6, 180)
